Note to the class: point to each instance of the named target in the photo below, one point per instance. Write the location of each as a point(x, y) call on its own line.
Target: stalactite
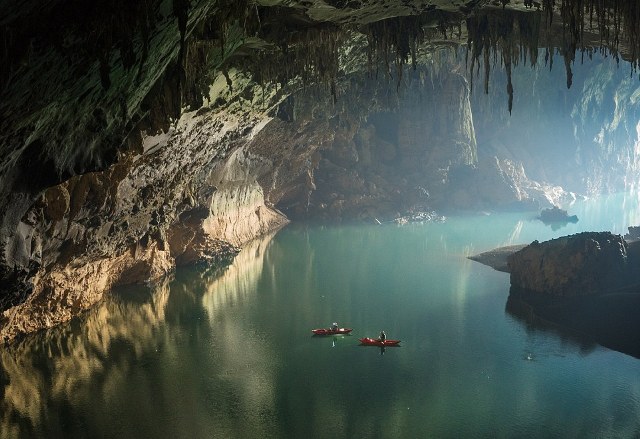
point(493, 30)
point(181, 11)
point(512, 34)
point(398, 38)
point(310, 55)
point(615, 21)
point(205, 49)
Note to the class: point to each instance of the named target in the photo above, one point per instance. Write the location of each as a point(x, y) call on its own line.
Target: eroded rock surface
point(584, 264)
point(134, 221)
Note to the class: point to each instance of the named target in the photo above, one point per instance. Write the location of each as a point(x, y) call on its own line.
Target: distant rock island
point(554, 216)
point(587, 283)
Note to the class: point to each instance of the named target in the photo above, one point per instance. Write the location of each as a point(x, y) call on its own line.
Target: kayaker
point(334, 326)
point(382, 336)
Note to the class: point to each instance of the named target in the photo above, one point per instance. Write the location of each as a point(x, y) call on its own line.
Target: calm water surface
point(230, 354)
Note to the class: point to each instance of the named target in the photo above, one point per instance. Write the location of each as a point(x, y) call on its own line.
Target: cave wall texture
point(139, 136)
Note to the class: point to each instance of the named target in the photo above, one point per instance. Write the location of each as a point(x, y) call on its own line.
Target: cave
point(145, 142)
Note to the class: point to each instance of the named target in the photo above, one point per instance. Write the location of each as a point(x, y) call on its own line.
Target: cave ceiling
point(81, 81)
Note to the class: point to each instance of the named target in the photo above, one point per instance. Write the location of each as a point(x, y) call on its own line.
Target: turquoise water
point(230, 354)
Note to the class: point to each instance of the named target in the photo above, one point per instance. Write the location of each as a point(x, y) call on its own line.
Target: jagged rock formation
point(167, 132)
point(584, 264)
point(136, 220)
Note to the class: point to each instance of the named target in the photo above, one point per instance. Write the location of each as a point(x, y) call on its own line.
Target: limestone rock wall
point(501, 184)
point(386, 152)
point(237, 211)
point(192, 197)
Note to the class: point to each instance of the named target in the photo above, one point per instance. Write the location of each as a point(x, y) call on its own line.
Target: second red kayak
point(331, 331)
point(375, 342)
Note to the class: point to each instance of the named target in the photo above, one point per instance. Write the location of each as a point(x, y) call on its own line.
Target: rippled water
point(230, 354)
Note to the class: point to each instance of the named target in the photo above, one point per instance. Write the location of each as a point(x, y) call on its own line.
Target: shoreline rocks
point(588, 263)
point(497, 258)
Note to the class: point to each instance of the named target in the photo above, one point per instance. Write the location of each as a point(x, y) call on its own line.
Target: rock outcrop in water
point(556, 215)
point(585, 287)
point(584, 264)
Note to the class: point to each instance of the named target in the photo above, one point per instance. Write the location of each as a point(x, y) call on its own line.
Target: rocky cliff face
point(391, 150)
point(190, 196)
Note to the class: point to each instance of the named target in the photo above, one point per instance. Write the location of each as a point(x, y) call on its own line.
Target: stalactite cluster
point(510, 35)
point(275, 44)
point(310, 55)
point(206, 47)
point(615, 21)
point(394, 40)
point(299, 48)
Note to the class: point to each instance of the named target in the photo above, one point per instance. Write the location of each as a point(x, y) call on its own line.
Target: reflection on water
point(124, 358)
point(70, 365)
point(522, 311)
point(611, 319)
point(229, 353)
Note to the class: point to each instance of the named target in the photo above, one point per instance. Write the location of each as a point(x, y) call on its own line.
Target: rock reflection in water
point(70, 365)
point(245, 367)
point(609, 320)
point(134, 366)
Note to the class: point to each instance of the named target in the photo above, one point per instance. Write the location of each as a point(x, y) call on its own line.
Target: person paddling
point(382, 337)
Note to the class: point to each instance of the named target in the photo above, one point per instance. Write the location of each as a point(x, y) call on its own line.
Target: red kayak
point(331, 331)
point(375, 342)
